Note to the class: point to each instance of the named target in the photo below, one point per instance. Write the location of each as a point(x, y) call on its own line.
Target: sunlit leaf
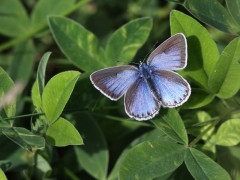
point(5, 86)
point(13, 18)
point(63, 133)
point(224, 78)
point(124, 43)
point(2, 175)
point(57, 92)
point(77, 43)
point(228, 133)
point(202, 50)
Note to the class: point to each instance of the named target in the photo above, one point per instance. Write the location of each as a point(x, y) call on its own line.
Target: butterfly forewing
point(114, 82)
point(171, 54)
point(139, 102)
point(170, 88)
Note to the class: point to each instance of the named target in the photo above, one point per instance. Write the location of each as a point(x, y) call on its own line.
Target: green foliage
point(25, 138)
point(174, 129)
point(7, 83)
point(95, 147)
point(214, 14)
point(228, 133)
point(61, 127)
point(63, 133)
point(224, 79)
point(57, 92)
point(202, 167)
point(70, 37)
point(124, 43)
point(145, 160)
point(202, 50)
point(2, 175)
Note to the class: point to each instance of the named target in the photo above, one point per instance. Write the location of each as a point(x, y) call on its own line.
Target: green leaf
point(12, 152)
point(44, 8)
point(6, 85)
point(36, 96)
point(155, 134)
point(78, 44)
point(171, 123)
point(93, 156)
point(22, 62)
point(63, 133)
point(151, 159)
point(5, 165)
point(230, 155)
point(43, 168)
point(25, 138)
point(13, 18)
point(125, 41)
point(202, 50)
point(202, 167)
point(197, 122)
point(41, 72)
point(2, 175)
point(212, 13)
point(234, 10)
point(198, 98)
point(224, 79)
point(229, 133)
point(57, 93)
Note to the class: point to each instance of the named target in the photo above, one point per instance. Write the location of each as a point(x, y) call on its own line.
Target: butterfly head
point(144, 70)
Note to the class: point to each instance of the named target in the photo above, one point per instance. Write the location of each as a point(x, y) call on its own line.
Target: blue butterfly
point(152, 84)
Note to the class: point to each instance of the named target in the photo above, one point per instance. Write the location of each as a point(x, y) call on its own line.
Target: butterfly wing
point(139, 101)
point(170, 88)
point(113, 82)
point(171, 54)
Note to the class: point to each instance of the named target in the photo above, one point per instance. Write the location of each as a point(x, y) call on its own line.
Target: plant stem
point(22, 116)
point(210, 127)
point(65, 111)
point(40, 28)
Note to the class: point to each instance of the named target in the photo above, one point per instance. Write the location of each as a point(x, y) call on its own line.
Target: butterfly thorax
point(144, 71)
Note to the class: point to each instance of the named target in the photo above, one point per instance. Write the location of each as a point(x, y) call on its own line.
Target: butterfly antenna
point(130, 62)
point(155, 44)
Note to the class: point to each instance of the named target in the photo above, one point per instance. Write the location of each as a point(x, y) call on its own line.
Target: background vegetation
point(61, 127)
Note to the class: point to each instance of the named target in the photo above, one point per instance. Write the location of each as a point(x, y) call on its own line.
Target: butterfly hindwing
point(139, 102)
point(170, 89)
point(171, 54)
point(114, 82)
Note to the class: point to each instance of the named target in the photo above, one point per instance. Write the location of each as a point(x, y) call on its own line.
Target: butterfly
point(151, 85)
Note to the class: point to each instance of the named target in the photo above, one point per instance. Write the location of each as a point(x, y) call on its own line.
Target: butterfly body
point(152, 85)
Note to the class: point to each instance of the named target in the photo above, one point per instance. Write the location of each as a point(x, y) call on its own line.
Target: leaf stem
point(22, 116)
point(40, 28)
point(210, 127)
point(204, 123)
